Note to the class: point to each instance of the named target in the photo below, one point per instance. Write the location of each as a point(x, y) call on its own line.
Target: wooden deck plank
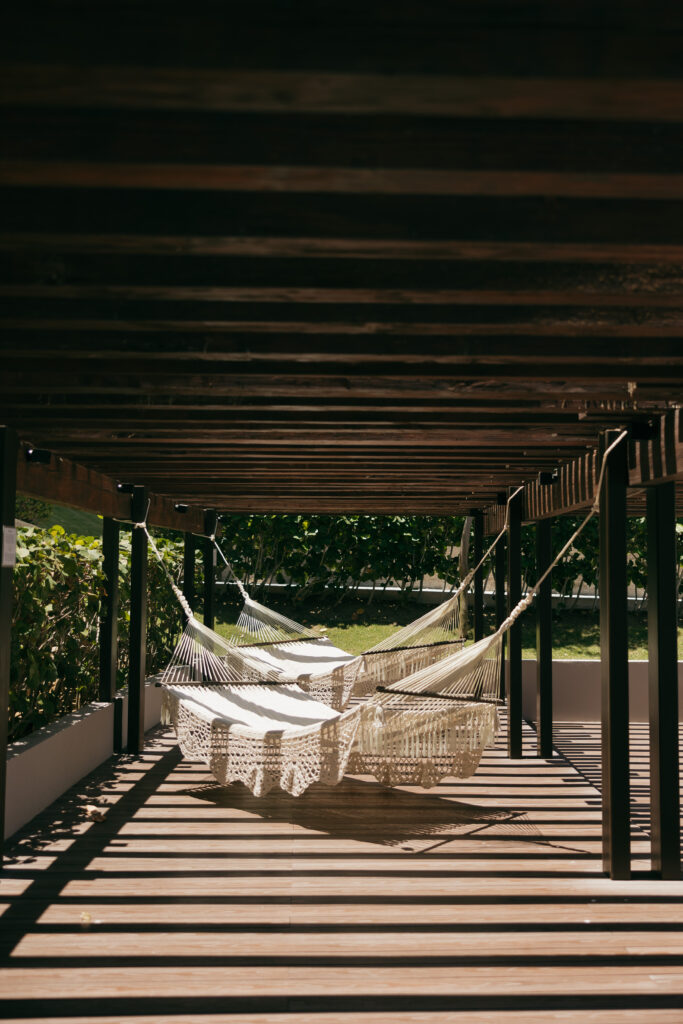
point(154, 982)
point(450, 1017)
point(211, 945)
point(481, 900)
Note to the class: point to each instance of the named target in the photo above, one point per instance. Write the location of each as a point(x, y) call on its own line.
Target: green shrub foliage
point(58, 593)
point(31, 510)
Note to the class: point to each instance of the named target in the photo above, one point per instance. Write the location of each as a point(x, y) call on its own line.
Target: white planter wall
point(48, 762)
point(576, 691)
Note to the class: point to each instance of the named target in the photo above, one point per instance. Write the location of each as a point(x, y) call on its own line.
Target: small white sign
point(9, 547)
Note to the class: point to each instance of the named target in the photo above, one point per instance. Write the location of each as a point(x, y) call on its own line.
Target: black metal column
point(109, 624)
point(665, 805)
point(138, 624)
point(188, 569)
point(210, 522)
point(501, 606)
point(478, 523)
point(544, 642)
point(616, 839)
point(514, 688)
point(8, 497)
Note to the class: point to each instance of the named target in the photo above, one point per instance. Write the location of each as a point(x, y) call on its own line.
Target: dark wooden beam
point(65, 482)
point(8, 470)
point(270, 91)
point(187, 175)
point(573, 490)
point(138, 624)
point(659, 458)
point(507, 275)
point(544, 642)
point(344, 249)
point(665, 804)
point(612, 41)
point(651, 461)
point(369, 216)
point(616, 838)
point(514, 687)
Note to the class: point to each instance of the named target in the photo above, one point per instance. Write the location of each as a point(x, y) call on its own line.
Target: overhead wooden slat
point(410, 262)
point(266, 90)
point(386, 217)
point(322, 143)
point(613, 40)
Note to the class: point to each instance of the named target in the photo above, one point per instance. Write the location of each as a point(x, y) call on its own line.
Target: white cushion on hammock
point(283, 708)
point(302, 658)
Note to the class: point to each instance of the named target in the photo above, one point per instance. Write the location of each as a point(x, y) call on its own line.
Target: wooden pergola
point(359, 258)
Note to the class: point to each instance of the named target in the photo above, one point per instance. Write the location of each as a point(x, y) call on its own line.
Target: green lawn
point(86, 524)
point(355, 627)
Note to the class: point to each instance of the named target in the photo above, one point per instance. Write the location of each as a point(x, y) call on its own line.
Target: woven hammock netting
point(236, 706)
point(304, 655)
point(434, 723)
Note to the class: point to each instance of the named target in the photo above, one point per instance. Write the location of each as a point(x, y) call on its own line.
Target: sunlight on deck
point(478, 898)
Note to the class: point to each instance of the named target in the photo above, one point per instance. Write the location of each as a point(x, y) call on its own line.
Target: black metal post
point(544, 642)
point(210, 523)
point(8, 498)
point(188, 569)
point(501, 606)
point(478, 523)
point(616, 839)
point(138, 624)
point(514, 690)
point(665, 802)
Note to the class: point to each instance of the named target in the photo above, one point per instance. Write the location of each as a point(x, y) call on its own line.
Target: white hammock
point(434, 723)
point(221, 698)
point(263, 736)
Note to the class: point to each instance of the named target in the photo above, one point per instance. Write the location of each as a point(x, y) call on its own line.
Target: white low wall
point(48, 762)
point(576, 691)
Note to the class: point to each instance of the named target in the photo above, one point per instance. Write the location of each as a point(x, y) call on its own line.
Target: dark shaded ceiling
point(339, 257)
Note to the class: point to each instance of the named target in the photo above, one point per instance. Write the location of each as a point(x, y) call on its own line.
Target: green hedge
point(59, 588)
point(322, 553)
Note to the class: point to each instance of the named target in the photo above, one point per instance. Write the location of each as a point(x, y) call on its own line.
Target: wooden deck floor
point(478, 901)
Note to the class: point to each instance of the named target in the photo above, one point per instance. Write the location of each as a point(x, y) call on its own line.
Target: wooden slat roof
point(339, 257)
